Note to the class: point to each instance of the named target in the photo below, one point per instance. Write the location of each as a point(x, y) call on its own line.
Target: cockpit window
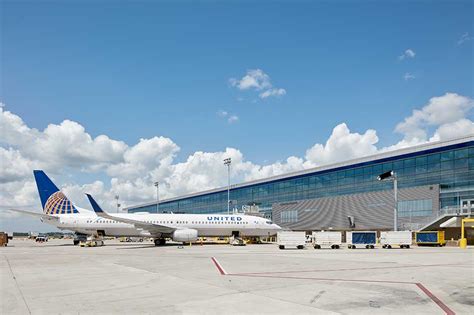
point(269, 222)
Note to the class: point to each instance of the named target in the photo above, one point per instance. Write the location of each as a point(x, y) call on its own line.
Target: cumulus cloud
point(57, 146)
point(458, 128)
point(147, 154)
point(231, 118)
point(407, 54)
point(13, 165)
point(254, 79)
point(272, 92)
point(291, 164)
point(464, 38)
point(222, 113)
point(257, 80)
point(439, 112)
point(342, 145)
point(408, 76)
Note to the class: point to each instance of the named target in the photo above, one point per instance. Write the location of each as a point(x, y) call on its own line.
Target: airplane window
point(269, 222)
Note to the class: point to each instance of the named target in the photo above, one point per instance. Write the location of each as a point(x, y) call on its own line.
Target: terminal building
point(435, 180)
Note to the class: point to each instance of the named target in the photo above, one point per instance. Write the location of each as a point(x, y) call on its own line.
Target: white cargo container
point(395, 238)
point(366, 239)
point(286, 239)
point(327, 239)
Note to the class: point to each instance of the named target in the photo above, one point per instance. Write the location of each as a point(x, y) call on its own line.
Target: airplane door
point(235, 233)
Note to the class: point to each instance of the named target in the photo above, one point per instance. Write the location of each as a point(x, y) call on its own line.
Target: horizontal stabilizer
point(36, 214)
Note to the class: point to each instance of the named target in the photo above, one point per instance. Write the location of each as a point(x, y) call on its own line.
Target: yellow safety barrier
point(463, 240)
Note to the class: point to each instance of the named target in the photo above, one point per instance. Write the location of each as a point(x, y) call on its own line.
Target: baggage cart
point(395, 238)
point(366, 239)
point(434, 238)
point(327, 239)
point(286, 239)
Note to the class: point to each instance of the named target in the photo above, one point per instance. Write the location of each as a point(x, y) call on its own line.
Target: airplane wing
point(153, 228)
point(40, 215)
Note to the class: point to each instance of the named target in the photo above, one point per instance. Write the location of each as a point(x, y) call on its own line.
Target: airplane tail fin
point(52, 199)
point(95, 205)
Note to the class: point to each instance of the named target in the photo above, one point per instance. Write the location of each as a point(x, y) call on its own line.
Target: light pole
point(118, 204)
point(227, 162)
point(393, 176)
point(157, 185)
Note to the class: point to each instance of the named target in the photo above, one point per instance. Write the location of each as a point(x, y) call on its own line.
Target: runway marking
point(435, 299)
point(219, 267)
point(346, 269)
point(17, 285)
point(319, 279)
point(443, 306)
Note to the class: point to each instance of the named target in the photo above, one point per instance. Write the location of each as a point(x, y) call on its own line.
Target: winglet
point(95, 206)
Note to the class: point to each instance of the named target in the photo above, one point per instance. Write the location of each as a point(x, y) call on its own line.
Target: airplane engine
point(185, 235)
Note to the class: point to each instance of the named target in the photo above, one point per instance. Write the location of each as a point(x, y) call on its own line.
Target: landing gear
point(159, 241)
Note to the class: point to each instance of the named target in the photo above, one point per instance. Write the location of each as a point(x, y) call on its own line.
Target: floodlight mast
point(393, 176)
point(228, 162)
point(118, 204)
point(157, 185)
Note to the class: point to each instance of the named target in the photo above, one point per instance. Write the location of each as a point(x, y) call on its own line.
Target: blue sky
point(132, 70)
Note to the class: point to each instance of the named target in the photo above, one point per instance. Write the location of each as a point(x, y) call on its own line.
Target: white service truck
point(395, 238)
point(327, 239)
point(286, 239)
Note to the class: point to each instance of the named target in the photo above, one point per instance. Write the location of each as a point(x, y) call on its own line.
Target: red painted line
point(318, 279)
point(438, 302)
point(443, 306)
point(219, 267)
point(345, 269)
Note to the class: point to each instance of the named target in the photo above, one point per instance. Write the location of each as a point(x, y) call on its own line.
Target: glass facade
point(452, 167)
point(415, 208)
point(289, 216)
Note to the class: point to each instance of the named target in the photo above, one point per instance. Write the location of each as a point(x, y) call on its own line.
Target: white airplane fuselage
point(205, 224)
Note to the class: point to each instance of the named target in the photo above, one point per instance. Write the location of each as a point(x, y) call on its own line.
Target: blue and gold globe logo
point(58, 203)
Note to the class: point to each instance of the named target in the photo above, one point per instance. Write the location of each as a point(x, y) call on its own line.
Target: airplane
point(59, 211)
